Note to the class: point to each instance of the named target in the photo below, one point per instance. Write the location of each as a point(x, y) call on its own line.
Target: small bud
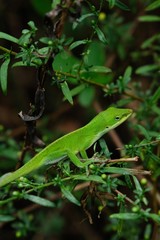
point(143, 181)
point(102, 16)
point(93, 22)
point(25, 45)
point(50, 43)
point(92, 166)
point(100, 208)
point(15, 193)
point(18, 234)
point(135, 209)
point(103, 176)
point(1, 128)
point(20, 185)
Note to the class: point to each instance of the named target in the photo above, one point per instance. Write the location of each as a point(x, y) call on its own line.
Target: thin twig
point(134, 159)
point(97, 84)
point(126, 198)
point(8, 51)
point(141, 145)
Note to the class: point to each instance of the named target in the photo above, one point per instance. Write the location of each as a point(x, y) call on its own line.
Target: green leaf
point(104, 148)
point(123, 102)
point(67, 193)
point(100, 35)
point(84, 16)
point(23, 64)
point(93, 178)
point(86, 97)
point(43, 51)
point(156, 96)
point(6, 218)
point(137, 184)
point(39, 200)
point(123, 171)
point(54, 3)
point(8, 37)
point(154, 217)
point(66, 91)
point(143, 131)
point(98, 69)
point(45, 40)
point(77, 43)
point(75, 91)
point(149, 18)
point(79, 20)
point(149, 41)
point(31, 24)
point(121, 5)
point(3, 75)
point(127, 75)
point(64, 62)
point(112, 3)
point(97, 49)
point(147, 69)
point(125, 216)
point(42, 6)
point(154, 5)
point(25, 39)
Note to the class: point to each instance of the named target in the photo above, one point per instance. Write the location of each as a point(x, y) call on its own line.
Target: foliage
point(82, 68)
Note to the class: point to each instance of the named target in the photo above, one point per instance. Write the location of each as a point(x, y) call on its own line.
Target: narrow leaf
point(93, 178)
point(100, 69)
point(154, 5)
point(77, 43)
point(156, 96)
point(8, 37)
point(111, 3)
point(39, 200)
point(79, 20)
point(104, 148)
point(66, 91)
point(125, 216)
point(146, 69)
point(22, 64)
point(137, 184)
point(121, 5)
point(3, 75)
point(84, 16)
point(125, 171)
point(154, 217)
point(144, 131)
point(149, 41)
point(77, 90)
point(6, 218)
point(127, 75)
point(100, 35)
point(67, 193)
point(149, 18)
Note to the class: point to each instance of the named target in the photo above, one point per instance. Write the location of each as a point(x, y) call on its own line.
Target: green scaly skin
point(70, 144)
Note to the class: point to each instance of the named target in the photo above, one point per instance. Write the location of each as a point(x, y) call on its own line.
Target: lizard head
point(113, 117)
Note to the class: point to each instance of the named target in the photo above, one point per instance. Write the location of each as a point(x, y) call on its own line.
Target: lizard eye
point(117, 118)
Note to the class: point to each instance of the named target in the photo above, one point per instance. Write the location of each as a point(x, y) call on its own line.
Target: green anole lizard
point(72, 143)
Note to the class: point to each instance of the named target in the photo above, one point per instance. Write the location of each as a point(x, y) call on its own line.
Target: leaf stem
point(100, 85)
point(134, 159)
point(8, 51)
